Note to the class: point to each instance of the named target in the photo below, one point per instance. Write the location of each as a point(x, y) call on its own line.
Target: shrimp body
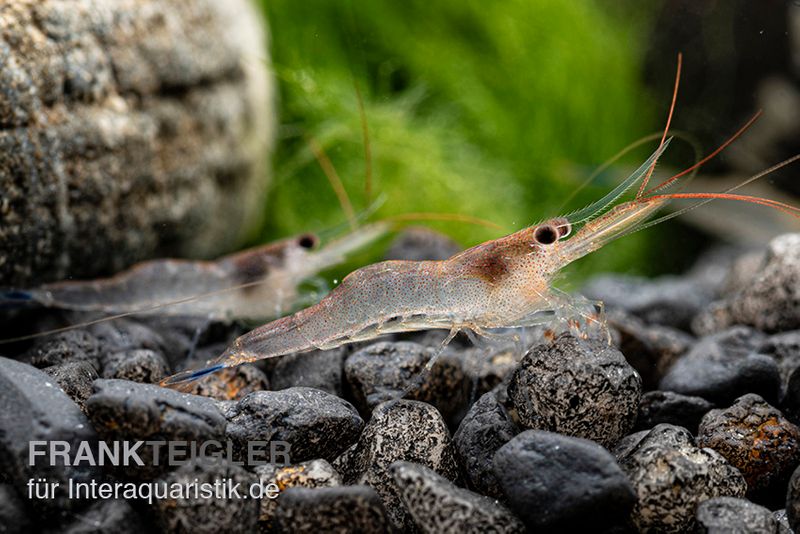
point(496, 284)
point(257, 283)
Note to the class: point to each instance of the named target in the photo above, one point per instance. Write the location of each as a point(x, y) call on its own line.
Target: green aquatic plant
point(472, 107)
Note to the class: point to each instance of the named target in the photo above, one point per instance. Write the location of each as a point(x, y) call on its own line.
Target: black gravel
point(577, 387)
point(685, 423)
point(555, 482)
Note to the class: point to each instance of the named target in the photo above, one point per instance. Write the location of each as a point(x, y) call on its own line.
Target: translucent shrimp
point(504, 283)
point(258, 283)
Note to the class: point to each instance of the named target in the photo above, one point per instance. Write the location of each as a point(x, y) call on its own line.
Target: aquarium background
point(501, 110)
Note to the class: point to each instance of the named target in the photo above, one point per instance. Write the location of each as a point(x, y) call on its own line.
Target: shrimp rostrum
point(504, 283)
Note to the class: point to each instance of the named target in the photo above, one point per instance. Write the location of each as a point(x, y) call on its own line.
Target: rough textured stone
point(784, 348)
point(728, 515)
point(315, 424)
point(70, 346)
point(115, 515)
point(783, 521)
point(123, 410)
point(348, 509)
point(486, 427)
point(313, 474)
point(436, 505)
point(137, 365)
point(650, 349)
point(13, 515)
point(35, 409)
point(383, 371)
point(576, 387)
point(230, 383)
point(75, 378)
point(487, 367)
point(400, 430)
point(771, 302)
point(320, 369)
point(127, 126)
point(793, 500)
point(671, 476)
point(562, 483)
point(667, 301)
point(724, 366)
point(216, 514)
point(658, 407)
point(755, 438)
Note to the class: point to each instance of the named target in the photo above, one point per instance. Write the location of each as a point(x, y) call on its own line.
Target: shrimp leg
point(417, 382)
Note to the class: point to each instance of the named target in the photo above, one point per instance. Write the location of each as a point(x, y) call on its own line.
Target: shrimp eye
point(545, 235)
point(307, 241)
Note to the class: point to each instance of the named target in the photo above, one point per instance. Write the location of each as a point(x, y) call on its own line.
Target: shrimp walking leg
point(431, 362)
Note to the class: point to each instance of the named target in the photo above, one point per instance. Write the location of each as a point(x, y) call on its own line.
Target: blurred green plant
point(478, 108)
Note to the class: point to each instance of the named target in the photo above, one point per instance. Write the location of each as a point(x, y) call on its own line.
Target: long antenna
point(666, 128)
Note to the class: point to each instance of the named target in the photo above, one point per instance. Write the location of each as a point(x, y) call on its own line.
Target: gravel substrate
point(686, 422)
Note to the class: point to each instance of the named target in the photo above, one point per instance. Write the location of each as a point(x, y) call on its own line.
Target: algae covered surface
point(493, 110)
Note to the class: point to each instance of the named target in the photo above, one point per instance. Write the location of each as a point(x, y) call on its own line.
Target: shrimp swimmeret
point(504, 283)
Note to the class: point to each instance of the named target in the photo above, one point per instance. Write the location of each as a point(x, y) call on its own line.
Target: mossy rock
point(128, 129)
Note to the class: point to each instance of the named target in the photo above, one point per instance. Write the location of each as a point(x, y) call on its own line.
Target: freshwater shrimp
point(503, 283)
point(258, 283)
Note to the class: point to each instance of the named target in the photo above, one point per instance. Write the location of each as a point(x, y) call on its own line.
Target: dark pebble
point(419, 244)
point(382, 371)
point(436, 505)
point(650, 349)
point(486, 427)
point(755, 438)
point(658, 407)
point(126, 334)
point(346, 509)
point(671, 476)
point(314, 423)
point(784, 348)
point(230, 383)
point(729, 515)
point(14, 517)
point(578, 388)
point(555, 482)
point(400, 430)
point(212, 515)
point(70, 346)
point(137, 365)
point(320, 369)
point(628, 443)
point(793, 500)
point(34, 408)
point(667, 301)
point(783, 521)
point(313, 474)
point(123, 410)
point(724, 366)
point(771, 301)
point(75, 378)
point(487, 367)
point(115, 515)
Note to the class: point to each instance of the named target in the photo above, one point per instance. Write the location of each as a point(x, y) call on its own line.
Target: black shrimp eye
point(307, 241)
point(545, 235)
